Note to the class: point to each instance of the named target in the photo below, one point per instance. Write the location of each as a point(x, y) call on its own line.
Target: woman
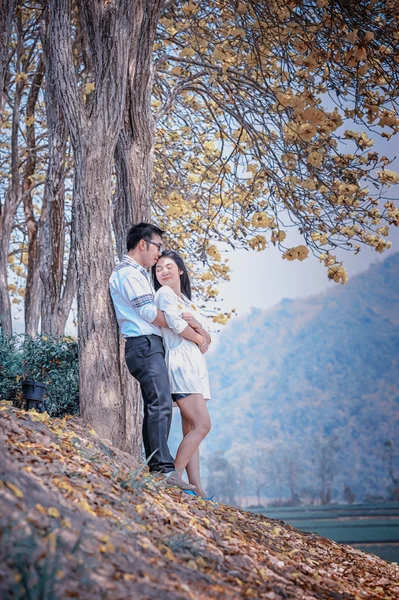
point(185, 342)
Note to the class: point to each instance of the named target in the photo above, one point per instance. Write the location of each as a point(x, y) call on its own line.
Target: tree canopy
point(263, 114)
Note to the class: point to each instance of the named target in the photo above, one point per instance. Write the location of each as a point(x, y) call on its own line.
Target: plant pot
point(33, 394)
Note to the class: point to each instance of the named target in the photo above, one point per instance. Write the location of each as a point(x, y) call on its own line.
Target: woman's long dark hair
point(184, 278)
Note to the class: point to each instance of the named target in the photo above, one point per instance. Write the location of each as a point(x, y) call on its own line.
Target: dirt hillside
point(79, 520)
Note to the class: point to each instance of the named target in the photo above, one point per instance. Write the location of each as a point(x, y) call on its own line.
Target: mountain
point(307, 393)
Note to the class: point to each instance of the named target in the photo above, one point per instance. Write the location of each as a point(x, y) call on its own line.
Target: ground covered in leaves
point(77, 520)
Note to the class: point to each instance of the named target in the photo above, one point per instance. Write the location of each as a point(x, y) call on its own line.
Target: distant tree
point(222, 477)
point(292, 459)
point(325, 460)
point(22, 153)
point(390, 459)
point(349, 496)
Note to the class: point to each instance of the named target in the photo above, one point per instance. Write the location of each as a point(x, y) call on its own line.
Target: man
point(139, 322)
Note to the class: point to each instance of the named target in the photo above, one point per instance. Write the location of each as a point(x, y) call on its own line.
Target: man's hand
point(191, 320)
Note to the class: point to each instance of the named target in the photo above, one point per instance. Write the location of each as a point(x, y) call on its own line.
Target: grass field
point(373, 528)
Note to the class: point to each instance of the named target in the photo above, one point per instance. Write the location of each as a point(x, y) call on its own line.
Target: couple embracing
point(165, 343)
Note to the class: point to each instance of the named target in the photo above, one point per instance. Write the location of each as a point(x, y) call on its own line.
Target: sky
point(263, 279)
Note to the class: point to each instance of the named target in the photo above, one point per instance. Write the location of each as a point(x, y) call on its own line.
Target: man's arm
point(188, 333)
point(160, 319)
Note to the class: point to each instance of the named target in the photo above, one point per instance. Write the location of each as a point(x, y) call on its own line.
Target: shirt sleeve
point(139, 294)
point(167, 301)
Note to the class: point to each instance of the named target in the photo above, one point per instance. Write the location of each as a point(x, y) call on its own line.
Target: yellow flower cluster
point(328, 259)
point(315, 158)
point(297, 253)
point(393, 213)
point(388, 177)
point(383, 230)
point(338, 274)
point(258, 243)
point(278, 236)
point(350, 232)
point(377, 242)
point(322, 238)
point(221, 319)
point(213, 252)
point(260, 219)
point(361, 139)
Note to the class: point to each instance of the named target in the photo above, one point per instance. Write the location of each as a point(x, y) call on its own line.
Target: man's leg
point(145, 359)
point(145, 431)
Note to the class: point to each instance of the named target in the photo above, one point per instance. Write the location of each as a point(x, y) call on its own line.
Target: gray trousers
point(145, 358)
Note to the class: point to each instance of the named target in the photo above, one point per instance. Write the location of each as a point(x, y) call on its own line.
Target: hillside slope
point(77, 521)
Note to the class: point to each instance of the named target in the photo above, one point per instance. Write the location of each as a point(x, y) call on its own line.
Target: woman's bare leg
point(193, 466)
point(195, 412)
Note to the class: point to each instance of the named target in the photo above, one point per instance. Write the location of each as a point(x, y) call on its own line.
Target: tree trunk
point(57, 293)
point(106, 387)
point(132, 200)
point(33, 289)
point(6, 14)
point(100, 385)
point(7, 212)
point(134, 156)
point(10, 204)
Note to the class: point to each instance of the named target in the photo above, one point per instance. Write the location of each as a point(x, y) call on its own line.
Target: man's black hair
point(141, 231)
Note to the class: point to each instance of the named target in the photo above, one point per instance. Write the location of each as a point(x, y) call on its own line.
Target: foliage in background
point(50, 360)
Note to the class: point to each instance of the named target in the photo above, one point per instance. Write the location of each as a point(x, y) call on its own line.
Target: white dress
point(187, 370)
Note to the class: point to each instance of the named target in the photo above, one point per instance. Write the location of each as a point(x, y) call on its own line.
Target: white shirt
point(187, 370)
point(133, 297)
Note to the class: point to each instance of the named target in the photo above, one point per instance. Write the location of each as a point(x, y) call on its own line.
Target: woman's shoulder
point(165, 290)
point(166, 293)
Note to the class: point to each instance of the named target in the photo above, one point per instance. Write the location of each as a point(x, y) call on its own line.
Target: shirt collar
point(128, 260)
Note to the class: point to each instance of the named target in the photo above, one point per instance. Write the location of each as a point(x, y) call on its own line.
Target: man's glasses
point(158, 245)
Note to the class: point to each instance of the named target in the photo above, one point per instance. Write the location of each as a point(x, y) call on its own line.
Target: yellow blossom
point(279, 236)
point(258, 243)
point(387, 177)
point(297, 253)
point(338, 274)
point(213, 252)
point(260, 219)
point(315, 159)
point(383, 230)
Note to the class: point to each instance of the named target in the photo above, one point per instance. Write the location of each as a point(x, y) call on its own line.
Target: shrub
point(43, 358)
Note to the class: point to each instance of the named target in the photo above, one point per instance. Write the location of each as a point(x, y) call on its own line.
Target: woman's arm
point(165, 301)
point(192, 321)
point(189, 333)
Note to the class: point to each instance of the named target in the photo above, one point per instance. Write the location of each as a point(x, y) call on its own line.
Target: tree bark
point(33, 289)
point(106, 388)
point(11, 201)
point(134, 156)
point(7, 212)
point(9, 206)
point(6, 14)
point(58, 293)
